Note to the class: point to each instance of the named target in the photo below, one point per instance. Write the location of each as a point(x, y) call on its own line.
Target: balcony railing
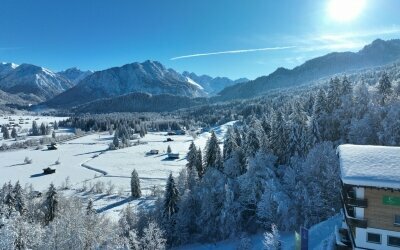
point(354, 202)
point(357, 222)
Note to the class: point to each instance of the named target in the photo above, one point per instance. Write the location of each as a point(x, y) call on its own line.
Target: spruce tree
point(89, 209)
point(19, 198)
point(6, 133)
point(199, 163)
point(116, 140)
point(43, 129)
point(55, 125)
point(169, 150)
point(35, 129)
point(191, 156)
point(14, 133)
point(384, 88)
point(135, 185)
point(50, 204)
point(171, 198)
point(212, 157)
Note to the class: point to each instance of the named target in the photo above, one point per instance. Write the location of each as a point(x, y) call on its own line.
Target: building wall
point(361, 238)
point(381, 216)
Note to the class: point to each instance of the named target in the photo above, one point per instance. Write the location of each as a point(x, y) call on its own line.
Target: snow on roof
point(372, 166)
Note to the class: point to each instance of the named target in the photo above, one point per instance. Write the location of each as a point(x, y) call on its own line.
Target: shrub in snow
point(57, 162)
point(27, 160)
point(110, 188)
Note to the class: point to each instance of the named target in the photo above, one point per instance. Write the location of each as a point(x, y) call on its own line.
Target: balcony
point(357, 222)
point(354, 202)
point(342, 239)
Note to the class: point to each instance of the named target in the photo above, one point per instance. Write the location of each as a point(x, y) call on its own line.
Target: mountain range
point(377, 53)
point(29, 84)
point(213, 85)
point(32, 83)
point(147, 77)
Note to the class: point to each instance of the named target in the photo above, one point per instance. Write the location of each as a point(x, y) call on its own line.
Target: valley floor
point(88, 169)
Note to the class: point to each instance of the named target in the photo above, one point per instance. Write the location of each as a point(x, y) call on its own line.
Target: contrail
point(232, 52)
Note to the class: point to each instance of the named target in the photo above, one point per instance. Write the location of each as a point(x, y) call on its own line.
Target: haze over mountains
point(26, 83)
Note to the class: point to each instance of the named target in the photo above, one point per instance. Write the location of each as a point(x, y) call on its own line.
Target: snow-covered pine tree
point(50, 204)
point(191, 156)
point(199, 164)
point(43, 129)
point(153, 238)
point(6, 134)
point(89, 208)
point(35, 128)
point(384, 88)
point(279, 137)
point(116, 140)
point(14, 133)
point(272, 239)
point(135, 185)
point(19, 198)
point(212, 156)
point(171, 198)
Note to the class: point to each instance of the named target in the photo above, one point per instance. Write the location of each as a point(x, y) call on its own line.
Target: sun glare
point(345, 10)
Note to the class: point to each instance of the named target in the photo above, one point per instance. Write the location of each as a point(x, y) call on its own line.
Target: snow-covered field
point(87, 163)
point(23, 123)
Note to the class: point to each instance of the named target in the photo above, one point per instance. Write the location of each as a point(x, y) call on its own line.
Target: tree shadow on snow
point(113, 205)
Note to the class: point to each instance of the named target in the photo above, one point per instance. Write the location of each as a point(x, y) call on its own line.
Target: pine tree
point(135, 185)
point(385, 88)
point(272, 239)
point(333, 95)
point(191, 156)
point(50, 204)
point(199, 163)
point(212, 157)
point(35, 129)
point(153, 238)
point(55, 125)
point(169, 150)
point(43, 129)
point(6, 133)
point(116, 140)
point(171, 198)
point(279, 138)
point(14, 133)
point(9, 202)
point(19, 198)
point(89, 209)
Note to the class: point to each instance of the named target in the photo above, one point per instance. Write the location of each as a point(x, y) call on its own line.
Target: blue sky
point(98, 34)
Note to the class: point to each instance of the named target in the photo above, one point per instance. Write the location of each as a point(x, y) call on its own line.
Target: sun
point(345, 10)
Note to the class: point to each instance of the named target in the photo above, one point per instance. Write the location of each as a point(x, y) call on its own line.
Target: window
point(397, 220)
point(393, 241)
point(374, 238)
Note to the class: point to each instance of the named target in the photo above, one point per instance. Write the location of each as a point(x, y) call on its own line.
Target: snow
point(87, 161)
point(319, 235)
point(189, 80)
point(372, 166)
point(23, 129)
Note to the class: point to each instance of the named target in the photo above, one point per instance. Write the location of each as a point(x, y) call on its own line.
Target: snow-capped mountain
point(75, 75)
point(213, 85)
point(378, 53)
point(147, 77)
point(6, 68)
point(28, 79)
